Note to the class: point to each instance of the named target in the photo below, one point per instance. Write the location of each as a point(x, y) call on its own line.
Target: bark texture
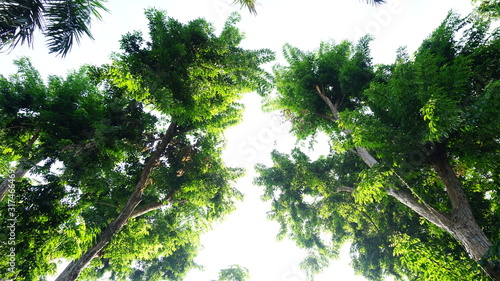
point(463, 225)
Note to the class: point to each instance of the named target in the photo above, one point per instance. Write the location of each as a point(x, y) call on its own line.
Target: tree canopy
point(414, 146)
point(117, 168)
point(234, 273)
point(127, 156)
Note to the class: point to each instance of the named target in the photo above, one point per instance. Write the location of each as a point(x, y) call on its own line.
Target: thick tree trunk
point(463, 225)
point(73, 270)
point(460, 223)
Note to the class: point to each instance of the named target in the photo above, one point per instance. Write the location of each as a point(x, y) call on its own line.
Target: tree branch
point(146, 209)
point(351, 190)
point(326, 116)
point(438, 218)
point(154, 206)
point(333, 109)
point(458, 198)
point(107, 204)
point(345, 189)
point(366, 156)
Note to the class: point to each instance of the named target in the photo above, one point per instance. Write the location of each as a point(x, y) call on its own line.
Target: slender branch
point(345, 189)
point(154, 206)
point(360, 151)
point(368, 217)
point(146, 209)
point(326, 116)
point(107, 204)
point(333, 109)
point(34, 138)
point(351, 190)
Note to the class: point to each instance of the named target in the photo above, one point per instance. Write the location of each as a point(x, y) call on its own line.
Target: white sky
point(246, 237)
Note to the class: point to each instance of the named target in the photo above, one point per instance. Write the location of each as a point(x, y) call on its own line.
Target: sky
point(246, 237)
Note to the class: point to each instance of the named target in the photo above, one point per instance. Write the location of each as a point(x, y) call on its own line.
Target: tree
point(62, 22)
point(418, 125)
point(71, 124)
point(318, 208)
point(234, 273)
point(140, 175)
point(193, 78)
point(68, 120)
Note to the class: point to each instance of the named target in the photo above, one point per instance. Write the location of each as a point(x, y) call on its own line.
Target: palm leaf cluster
point(63, 22)
point(250, 4)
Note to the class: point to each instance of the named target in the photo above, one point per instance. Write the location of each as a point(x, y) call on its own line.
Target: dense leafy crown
point(89, 138)
point(190, 73)
point(445, 95)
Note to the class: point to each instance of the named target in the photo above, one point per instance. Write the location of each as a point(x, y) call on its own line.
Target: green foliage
point(444, 96)
point(429, 262)
point(190, 73)
point(193, 79)
point(68, 120)
point(372, 186)
point(313, 203)
point(234, 273)
point(342, 71)
point(88, 137)
point(76, 128)
point(489, 9)
point(62, 22)
point(249, 4)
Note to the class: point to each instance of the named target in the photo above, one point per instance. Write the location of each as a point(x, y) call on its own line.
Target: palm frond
point(375, 2)
point(68, 21)
point(249, 4)
point(19, 20)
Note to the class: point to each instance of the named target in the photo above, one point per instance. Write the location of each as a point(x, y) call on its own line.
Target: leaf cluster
point(62, 22)
point(445, 94)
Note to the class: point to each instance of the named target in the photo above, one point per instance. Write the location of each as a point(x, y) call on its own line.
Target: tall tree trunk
point(73, 270)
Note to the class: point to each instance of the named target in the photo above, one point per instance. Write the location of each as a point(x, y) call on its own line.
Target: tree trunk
point(460, 223)
point(463, 226)
point(73, 270)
